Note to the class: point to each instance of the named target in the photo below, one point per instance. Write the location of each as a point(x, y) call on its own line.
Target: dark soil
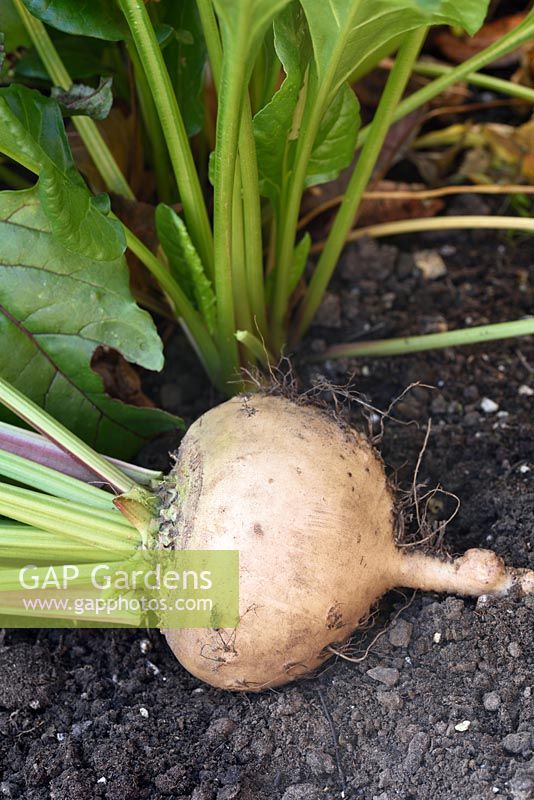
point(111, 714)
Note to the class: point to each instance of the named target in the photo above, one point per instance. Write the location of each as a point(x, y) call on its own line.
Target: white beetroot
point(307, 504)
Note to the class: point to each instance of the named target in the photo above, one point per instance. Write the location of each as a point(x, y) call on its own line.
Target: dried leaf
point(459, 48)
point(120, 379)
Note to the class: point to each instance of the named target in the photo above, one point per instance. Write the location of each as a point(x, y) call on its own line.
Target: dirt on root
point(442, 707)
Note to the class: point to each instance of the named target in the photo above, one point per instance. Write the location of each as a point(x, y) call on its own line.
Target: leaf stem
point(79, 521)
point(44, 423)
point(249, 174)
point(86, 127)
point(239, 269)
point(432, 341)
point(433, 69)
point(24, 542)
point(344, 220)
point(187, 179)
point(39, 449)
point(160, 155)
point(23, 470)
point(437, 224)
point(231, 95)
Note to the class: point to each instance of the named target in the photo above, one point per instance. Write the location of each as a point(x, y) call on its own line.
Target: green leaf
point(185, 263)
point(77, 219)
point(32, 131)
point(277, 125)
point(98, 18)
point(346, 32)
point(335, 143)
point(56, 308)
point(273, 123)
point(87, 100)
point(185, 56)
point(31, 125)
point(12, 27)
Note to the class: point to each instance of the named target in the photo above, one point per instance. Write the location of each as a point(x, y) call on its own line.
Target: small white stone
point(103, 780)
point(144, 712)
point(60, 737)
point(525, 391)
point(437, 637)
point(145, 645)
point(463, 726)
point(430, 263)
point(488, 406)
point(524, 468)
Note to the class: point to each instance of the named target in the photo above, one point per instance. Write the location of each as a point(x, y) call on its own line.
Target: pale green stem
point(249, 175)
point(32, 545)
point(81, 522)
point(239, 271)
point(432, 341)
point(39, 419)
point(160, 155)
point(344, 220)
point(37, 448)
point(173, 126)
point(467, 222)
point(22, 470)
point(433, 70)
point(86, 127)
point(257, 348)
point(231, 94)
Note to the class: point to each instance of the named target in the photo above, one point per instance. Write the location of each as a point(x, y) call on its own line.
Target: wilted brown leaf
point(493, 151)
point(459, 48)
point(121, 380)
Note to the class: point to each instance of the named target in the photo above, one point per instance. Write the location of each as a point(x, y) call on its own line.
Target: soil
point(112, 715)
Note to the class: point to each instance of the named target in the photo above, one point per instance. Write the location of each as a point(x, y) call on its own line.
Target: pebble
point(463, 726)
point(320, 763)
point(387, 675)
point(488, 406)
point(430, 263)
point(144, 712)
point(518, 743)
point(220, 728)
point(522, 783)
point(400, 633)
point(525, 391)
point(329, 312)
point(491, 701)
point(514, 649)
point(437, 637)
point(390, 700)
point(416, 750)
point(303, 791)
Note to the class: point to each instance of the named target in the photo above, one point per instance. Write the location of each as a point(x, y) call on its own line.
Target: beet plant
point(301, 498)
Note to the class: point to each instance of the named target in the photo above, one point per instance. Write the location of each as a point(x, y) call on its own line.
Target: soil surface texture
point(442, 705)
